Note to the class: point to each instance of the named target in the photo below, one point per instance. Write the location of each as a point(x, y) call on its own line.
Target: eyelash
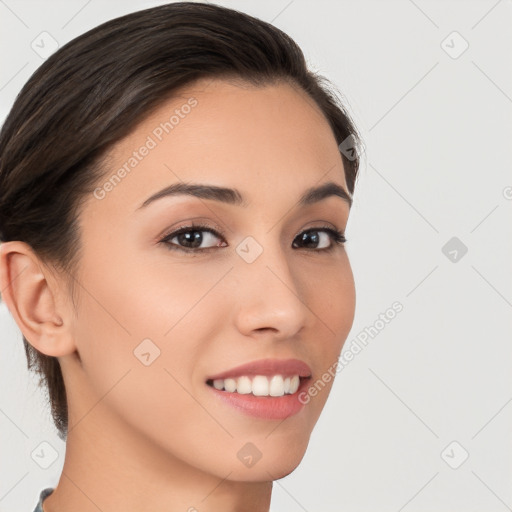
point(337, 237)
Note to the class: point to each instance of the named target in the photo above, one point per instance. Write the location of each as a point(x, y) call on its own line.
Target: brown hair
point(95, 90)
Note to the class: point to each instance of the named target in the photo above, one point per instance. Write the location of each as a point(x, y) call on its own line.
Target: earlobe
point(30, 292)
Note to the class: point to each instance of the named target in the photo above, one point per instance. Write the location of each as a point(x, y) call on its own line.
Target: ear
point(30, 292)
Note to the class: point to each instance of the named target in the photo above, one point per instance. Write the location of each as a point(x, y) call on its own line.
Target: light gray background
point(437, 131)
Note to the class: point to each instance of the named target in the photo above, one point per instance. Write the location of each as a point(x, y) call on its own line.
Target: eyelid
point(199, 224)
point(318, 225)
point(191, 225)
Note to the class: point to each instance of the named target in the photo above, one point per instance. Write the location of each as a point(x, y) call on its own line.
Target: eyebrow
point(235, 197)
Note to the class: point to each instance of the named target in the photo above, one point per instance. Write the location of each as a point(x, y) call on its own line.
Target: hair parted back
point(94, 91)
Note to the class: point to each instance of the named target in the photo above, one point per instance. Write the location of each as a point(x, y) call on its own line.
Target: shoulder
point(44, 493)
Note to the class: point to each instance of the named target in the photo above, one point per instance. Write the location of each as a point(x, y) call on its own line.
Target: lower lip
point(266, 407)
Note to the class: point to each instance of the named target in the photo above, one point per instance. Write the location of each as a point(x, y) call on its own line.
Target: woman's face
point(162, 316)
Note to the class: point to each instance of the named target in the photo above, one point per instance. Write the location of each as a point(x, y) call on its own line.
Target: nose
point(269, 297)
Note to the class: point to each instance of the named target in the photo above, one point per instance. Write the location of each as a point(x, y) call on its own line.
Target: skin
point(154, 437)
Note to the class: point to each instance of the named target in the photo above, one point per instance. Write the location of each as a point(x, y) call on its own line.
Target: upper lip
point(267, 367)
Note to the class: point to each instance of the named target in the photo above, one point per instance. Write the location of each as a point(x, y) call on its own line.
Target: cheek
point(129, 315)
point(132, 299)
point(330, 293)
point(151, 390)
point(142, 321)
point(331, 298)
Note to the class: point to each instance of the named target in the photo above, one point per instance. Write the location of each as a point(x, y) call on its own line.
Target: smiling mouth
point(259, 385)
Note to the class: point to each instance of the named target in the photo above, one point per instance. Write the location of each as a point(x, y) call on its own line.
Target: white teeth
point(294, 384)
point(276, 386)
point(260, 385)
point(243, 385)
point(230, 385)
point(218, 384)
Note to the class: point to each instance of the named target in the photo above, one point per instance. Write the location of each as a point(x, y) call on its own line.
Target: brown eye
point(192, 238)
point(312, 240)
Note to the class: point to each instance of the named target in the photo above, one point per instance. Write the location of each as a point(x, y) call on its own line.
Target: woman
point(174, 189)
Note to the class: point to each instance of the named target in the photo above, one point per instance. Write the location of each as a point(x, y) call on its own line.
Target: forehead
point(268, 141)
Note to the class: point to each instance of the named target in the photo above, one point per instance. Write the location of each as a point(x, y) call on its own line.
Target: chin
point(264, 473)
point(274, 464)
